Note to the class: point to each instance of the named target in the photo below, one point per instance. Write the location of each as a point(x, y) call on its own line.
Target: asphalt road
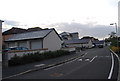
point(96, 63)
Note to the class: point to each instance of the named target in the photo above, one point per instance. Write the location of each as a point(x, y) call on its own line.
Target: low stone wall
point(70, 49)
point(10, 54)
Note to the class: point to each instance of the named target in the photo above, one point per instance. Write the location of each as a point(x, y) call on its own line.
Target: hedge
point(33, 57)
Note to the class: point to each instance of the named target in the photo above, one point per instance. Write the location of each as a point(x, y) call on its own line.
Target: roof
point(1, 21)
point(30, 35)
point(74, 33)
point(99, 42)
point(64, 33)
point(77, 41)
point(14, 30)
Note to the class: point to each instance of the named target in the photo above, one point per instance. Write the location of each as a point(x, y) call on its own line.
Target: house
point(87, 43)
point(45, 38)
point(91, 38)
point(14, 30)
point(99, 42)
point(65, 36)
point(1, 40)
point(75, 35)
point(9, 33)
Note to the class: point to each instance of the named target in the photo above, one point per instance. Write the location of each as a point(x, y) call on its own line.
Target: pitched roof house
point(47, 38)
point(69, 36)
point(79, 43)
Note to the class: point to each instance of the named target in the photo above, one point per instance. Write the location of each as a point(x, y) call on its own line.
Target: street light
point(116, 32)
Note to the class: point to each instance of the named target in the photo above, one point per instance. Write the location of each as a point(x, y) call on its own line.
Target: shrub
point(32, 57)
point(16, 60)
point(115, 49)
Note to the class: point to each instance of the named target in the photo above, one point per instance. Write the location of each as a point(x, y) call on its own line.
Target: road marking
point(111, 71)
point(80, 60)
point(53, 67)
point(85, 54)
point(87, 59)
point(39, 65)
point(93, 58)
point(60, 64)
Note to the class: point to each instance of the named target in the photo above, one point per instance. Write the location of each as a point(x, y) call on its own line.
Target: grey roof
point(77, 41)
point(30, 35)
point(99, 42)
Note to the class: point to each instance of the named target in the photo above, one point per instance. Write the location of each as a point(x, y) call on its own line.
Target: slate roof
point(77, 41)
point(99, 42)
point(14, 30)
point(30, 35)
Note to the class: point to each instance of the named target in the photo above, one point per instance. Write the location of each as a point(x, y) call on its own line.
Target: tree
point(112, 34)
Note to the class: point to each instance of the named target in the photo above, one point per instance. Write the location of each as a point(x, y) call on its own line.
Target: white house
point(45, 38)
point(87, 43)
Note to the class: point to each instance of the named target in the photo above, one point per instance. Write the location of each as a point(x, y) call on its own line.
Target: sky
point(87, 17)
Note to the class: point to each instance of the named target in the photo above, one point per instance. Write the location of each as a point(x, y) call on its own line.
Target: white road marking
point(53, 67)
point(85, 54)
point(61, 64)
point(80, 60)
point(119, 63)
point(111, 71)
point(93, 58)
point(39, 65)
point(87, 59)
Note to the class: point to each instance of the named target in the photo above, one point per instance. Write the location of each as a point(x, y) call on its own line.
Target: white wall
point(75, 45)
point(52, 42)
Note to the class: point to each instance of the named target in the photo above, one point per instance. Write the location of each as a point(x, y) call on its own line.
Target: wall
point(52, 42)
point(74, 45)
point(23, 52)
point(30, 44)
point(0, 40)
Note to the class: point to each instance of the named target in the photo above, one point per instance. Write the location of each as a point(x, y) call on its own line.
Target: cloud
point(12, 23)
point(99, 31)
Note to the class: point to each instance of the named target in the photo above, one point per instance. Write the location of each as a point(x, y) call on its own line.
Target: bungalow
point(45, 38)
point(99, 42)
point(87, 43)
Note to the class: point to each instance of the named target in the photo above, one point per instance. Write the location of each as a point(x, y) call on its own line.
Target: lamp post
point(116, 33)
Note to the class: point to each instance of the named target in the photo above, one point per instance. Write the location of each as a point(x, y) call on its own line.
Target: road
point(96, 63)
point(0, 70)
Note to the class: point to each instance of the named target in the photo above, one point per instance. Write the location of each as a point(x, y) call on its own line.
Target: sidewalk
point(119, 67)
point(8, 71)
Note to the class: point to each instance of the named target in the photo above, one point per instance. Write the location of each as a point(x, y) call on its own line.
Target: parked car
point(15, 48)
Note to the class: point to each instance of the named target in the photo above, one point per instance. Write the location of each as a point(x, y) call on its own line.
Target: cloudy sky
point(88, 17)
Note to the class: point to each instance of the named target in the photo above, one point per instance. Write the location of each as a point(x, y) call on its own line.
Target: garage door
point(22, 44)
point(36, 44)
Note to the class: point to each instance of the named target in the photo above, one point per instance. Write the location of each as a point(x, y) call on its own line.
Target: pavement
point(119, 68)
